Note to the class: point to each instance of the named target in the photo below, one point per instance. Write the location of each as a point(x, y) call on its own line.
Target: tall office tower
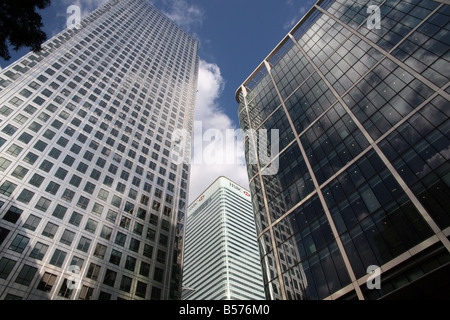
point(88, 191)
point(362, 110)
point(221, 257)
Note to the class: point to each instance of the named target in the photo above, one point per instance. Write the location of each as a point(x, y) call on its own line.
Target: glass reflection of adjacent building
point(364, 172)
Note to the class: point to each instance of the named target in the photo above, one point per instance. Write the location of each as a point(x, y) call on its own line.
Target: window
point(106, 232)
point(84, 244)
point(130, 263)
point(62, 142)
point(134, 245)
point(156, 205)
point(82, 167)
point(39, 251)
point(95, 174)
point(25, 137)
point(75, 219)
point(13, 214)
point(59, 211)
point(151, 234)
point(19, 243)
point(104, 296)
point(111, 216)
point(141, 289)
point(141, 213)
point(30, 109)
point(97, 209)
point(100, 251)
point(88, 155)
point(46, 166)
point(64, 291)
point(50, 230)
point(32, 222)
point(163, 239)
point(167, 211)
point(67, 237)
point(47, 282)
point(14, 150)
point(93, 271)
point(120, 187)
point(115, 257)
point(30, 158)
point(116, 201)
point(144, 269)
point(49, 134)
point(75, 180)
point(7, 188)
point(86, 293)
point(5, 111)
point(43, 204)
point(25, 196)
point(36, 180)
point(68, 195)
point(9, 130)
point(26, 275)
point(125, 284)
point(76, 261)
point(148, 251)
point(110, 278)
point(54, 153)
point(52, 188)
point(103, 194)
point(125, 222)
point(108, 181)
point(120, 239)
point(61, 173)
point(158, 274)
point(6, 265)
point(161, 256)
point(58, 258)
point(83, 202)
point(34, 126)
point(153, 219)
point(91, 226)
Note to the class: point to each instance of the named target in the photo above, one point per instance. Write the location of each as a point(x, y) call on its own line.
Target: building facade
point(362, 110)
point(221, 256)
point(91, 204)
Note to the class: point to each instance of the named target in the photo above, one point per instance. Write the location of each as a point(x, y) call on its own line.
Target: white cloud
point(300, 13)
point(184, 14)
point(210, 116)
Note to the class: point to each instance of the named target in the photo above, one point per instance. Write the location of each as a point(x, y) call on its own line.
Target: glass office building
point(221, 257)
point(91, 204)
point(364, 173)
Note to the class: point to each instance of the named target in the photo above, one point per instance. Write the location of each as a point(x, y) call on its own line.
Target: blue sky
point(234, 35)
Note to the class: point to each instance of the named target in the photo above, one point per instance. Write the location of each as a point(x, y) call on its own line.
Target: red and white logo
point(201, 198)
point(247, 193)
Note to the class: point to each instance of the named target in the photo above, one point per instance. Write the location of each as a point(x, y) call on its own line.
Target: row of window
point(26, 275)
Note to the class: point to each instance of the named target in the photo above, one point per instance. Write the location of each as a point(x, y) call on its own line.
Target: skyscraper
point(361, 102)
point(91, 204)
point(221, 257)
